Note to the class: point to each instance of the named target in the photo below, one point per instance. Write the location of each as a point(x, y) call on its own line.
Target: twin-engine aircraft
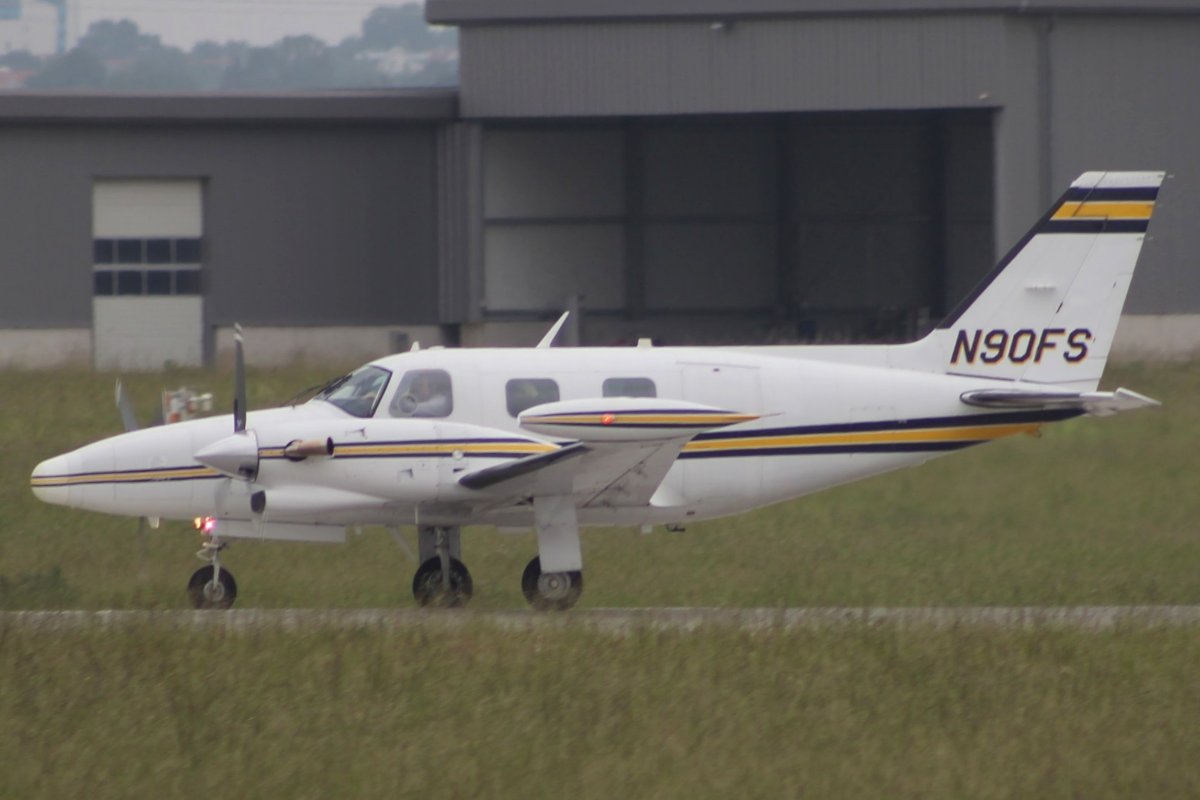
point(556, 439)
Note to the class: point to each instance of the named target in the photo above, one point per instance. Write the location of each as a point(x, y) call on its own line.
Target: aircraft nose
point(50, 480)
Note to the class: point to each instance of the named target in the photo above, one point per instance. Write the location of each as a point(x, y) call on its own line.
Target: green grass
point(475, 711)
point(1093, 512)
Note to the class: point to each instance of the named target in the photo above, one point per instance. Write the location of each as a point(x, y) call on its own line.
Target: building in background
point(743, 171)
point(31, 26)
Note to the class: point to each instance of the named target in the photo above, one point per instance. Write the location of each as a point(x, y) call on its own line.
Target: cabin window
point(423, 393)
point(523, 393)
point(628, 387)
point(357, 393)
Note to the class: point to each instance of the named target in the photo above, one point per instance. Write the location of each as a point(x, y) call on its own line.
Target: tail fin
point(1048, 312)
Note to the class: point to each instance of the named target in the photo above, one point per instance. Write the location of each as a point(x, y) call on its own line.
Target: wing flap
point(520, 468)
point(610, 474)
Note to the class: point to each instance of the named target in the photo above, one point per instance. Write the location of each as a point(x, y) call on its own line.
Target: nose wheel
point(209, 589)
point(551, 591)
point(211, 586)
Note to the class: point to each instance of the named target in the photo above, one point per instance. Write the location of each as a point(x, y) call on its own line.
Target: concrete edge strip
point(1089, 618)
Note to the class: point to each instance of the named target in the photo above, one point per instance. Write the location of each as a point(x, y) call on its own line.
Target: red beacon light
point(205, 524)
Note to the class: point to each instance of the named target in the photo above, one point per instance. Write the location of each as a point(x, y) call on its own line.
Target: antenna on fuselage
point(548, 339)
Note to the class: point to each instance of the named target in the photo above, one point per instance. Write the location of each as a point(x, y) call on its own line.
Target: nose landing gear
point(212, 587)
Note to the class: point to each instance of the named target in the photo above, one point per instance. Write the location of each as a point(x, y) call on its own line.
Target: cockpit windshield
point(357, 393)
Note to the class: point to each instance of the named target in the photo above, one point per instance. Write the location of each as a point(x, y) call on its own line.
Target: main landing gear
point(212, 587)
point(551, 591)
point(442, 580)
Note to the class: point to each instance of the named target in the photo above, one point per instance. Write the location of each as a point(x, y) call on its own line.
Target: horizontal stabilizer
point(1099, 404)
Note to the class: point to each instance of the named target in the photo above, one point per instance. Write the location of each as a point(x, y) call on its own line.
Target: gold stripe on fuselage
point(137, 476)
point(1105, 209)
point(973, 433)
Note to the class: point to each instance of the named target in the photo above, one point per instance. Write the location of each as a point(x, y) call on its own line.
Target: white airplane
point(555, 439)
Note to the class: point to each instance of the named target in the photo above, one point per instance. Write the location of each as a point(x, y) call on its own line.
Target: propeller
point(236, 455)
point(130, 423)
point(239, 380)
point(125, 408)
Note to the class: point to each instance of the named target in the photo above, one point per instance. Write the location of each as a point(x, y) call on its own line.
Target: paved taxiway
point(631, 619)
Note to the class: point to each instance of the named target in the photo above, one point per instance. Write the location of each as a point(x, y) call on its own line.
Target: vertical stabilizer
point(1049, 310)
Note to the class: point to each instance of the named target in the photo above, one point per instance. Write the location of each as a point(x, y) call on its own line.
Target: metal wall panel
point(552, 173)
point(868, 218)
point(305, 225)
point(539, 267)
point(1124, 97)
point(698, 66)
point(710, 266)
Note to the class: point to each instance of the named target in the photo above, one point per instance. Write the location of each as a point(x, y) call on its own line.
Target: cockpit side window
point(358, 393)
point(628, 387)
point(423, 393)
point(523, 393)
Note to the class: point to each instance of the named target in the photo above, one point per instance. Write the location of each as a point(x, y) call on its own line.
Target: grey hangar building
point(710, 171)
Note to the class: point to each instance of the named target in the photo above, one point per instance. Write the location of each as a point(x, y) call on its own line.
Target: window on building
point(129, 281)
point(158, 251)
point(423, 393)
point(628, 387)
point(129, 251)
point(523, 393)
point(178, 260)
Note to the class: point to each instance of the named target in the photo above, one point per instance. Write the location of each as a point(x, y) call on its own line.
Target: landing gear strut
point(550, 591)
point(442, 581)
point(212, 587)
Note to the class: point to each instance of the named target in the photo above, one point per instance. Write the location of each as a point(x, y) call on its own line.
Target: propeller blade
point(125, 407)
point(239, 381)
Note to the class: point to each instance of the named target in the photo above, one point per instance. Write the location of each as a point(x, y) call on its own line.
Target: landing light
point(205, 524)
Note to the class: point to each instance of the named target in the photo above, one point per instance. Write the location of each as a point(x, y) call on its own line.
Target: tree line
point(395, 48)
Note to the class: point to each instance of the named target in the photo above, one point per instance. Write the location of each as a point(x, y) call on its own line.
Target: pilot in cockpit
point(428, 395)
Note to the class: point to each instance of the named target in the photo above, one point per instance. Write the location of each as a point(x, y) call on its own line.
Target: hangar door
point(147, 306)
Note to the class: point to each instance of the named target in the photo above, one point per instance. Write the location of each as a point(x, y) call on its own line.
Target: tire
point(205, 596)
point(555, 591)
point(428, 590)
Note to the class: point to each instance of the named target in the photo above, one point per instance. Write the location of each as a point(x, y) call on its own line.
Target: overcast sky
point(182, 23)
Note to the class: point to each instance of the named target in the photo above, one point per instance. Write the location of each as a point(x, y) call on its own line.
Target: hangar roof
point(396, 105)
point(468, 12)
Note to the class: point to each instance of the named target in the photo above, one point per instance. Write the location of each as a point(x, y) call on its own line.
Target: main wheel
point(550, 591)
point(429, 590)
point(205, 593)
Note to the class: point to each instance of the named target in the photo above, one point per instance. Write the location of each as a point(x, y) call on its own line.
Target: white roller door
point(148, 307)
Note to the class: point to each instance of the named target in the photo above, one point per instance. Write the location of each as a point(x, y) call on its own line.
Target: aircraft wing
point(623, 449)
point(597, 474)
point(1100, 404)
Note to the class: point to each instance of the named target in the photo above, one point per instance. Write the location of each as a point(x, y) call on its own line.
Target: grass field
point(1094, 512)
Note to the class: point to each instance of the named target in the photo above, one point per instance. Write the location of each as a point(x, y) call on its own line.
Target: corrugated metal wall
point(304, 225)
point(698, 66)
point(1124, 96)
point(851, 226)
